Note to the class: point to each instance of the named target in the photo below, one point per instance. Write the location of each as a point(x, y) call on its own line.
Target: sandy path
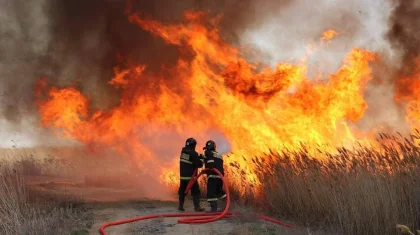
point(106, 209)
point(118, 211)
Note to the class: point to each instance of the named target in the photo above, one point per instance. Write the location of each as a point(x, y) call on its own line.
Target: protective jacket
point(213, 159)
point(189, 161)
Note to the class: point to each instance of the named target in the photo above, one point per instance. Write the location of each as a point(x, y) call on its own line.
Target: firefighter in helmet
point(213, 159)
point(189, 161)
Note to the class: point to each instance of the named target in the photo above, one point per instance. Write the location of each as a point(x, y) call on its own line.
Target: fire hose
point(202, 217)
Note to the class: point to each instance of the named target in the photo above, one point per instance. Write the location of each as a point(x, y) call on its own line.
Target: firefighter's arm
point(201, 157)
point(197, 160)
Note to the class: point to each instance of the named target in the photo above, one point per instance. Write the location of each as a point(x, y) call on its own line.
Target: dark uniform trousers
point(195, 190)
point(214, 188)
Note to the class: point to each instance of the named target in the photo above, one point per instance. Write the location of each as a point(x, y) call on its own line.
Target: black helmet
point(210, 145)
point(190, 142)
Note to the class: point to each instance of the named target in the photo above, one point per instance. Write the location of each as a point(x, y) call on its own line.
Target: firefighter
point(189, 161)
point(213, 159)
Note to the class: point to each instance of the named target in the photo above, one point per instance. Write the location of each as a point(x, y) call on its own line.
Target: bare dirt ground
point(104, 212)
point(118, 211)
point(130, 204)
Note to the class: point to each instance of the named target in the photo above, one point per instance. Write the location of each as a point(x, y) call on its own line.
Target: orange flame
point(256, 109)
point(66, 111)
point(409, 93)
point(329, 35)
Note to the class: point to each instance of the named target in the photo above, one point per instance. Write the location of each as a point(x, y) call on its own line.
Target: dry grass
point(23, 212)
point(362, 191)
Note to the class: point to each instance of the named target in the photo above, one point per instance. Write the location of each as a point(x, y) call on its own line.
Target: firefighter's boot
point(196, 202)
point(181, 203)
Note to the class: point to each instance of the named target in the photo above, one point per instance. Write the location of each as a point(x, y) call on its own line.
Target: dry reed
point(23, 212)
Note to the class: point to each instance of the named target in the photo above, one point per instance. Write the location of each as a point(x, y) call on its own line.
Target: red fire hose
point(203, 216)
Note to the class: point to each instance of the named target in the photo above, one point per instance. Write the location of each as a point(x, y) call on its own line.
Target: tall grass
point(361, 191)
point(24, 212)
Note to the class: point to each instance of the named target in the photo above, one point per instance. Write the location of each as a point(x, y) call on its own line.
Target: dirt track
point(105, 208)
point(105, 212)
point(118, 211)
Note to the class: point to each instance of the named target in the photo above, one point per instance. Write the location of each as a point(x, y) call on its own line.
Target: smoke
point(404, 33)
point(284, 31)
point(25, 34)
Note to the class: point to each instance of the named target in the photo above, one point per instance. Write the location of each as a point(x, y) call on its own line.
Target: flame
point(329, 35)
point(256, 108)
point(120, 79)
point(408, 92)
point(66, 111)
